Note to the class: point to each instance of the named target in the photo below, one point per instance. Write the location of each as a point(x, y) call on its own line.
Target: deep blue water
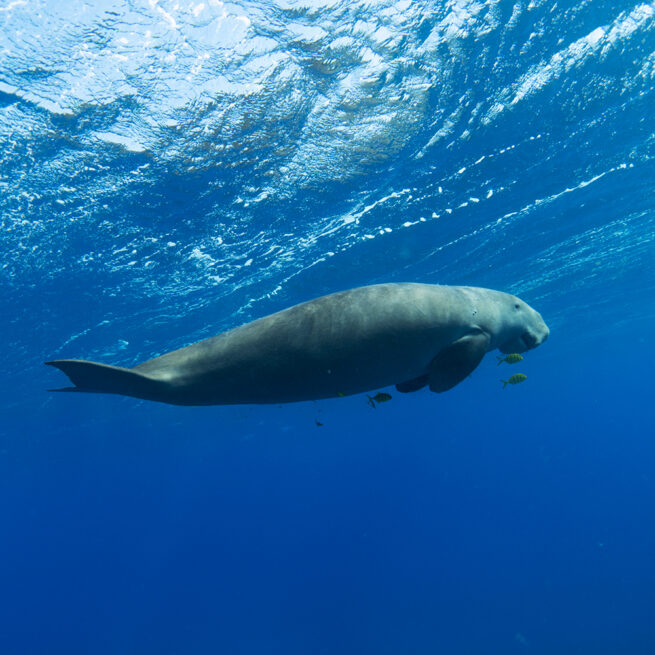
point(170, 170)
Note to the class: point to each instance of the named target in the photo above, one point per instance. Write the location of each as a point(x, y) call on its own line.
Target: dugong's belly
point(341, 344)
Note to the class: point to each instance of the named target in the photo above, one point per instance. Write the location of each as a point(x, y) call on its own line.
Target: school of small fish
point(511, 358)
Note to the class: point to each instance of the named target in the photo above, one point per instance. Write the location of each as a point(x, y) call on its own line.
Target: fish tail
point(505, 383)
point(500, 359)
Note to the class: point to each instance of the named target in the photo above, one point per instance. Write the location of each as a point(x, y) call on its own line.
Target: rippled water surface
point(171, 169)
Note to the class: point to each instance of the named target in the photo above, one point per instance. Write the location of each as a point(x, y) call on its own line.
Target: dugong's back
point(339, 344)
point(410, 335)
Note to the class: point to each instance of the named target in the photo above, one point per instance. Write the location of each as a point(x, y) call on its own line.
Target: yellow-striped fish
point(512, 358)
point(514, 379)
point(380, 397)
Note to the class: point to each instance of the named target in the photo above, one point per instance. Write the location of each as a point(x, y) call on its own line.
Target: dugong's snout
point(529, 333)
point(545, 334)
point(529, 340)
point(536, 334)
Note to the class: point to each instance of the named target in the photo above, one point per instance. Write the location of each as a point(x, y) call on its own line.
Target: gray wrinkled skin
point(340, 344)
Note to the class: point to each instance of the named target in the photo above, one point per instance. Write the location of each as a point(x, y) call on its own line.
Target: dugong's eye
point(517, 306)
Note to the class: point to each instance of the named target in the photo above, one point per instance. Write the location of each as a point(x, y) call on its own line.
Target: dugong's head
point(520, 327)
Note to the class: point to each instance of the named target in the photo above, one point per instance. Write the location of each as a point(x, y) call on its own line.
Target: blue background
point(169, 172)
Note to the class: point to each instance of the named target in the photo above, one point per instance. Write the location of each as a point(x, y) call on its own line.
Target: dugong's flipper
point(413, 385)
point(457, 361)
point(102, 378)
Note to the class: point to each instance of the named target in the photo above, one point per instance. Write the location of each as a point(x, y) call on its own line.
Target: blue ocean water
point(169, 170)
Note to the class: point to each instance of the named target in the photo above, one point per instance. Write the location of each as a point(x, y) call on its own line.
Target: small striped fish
point(514, 379)
point(512, 358)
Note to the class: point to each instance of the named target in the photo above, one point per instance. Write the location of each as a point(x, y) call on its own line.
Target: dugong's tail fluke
point(92, 377)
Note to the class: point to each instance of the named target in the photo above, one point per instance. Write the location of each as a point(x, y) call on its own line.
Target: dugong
point(407, 334)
